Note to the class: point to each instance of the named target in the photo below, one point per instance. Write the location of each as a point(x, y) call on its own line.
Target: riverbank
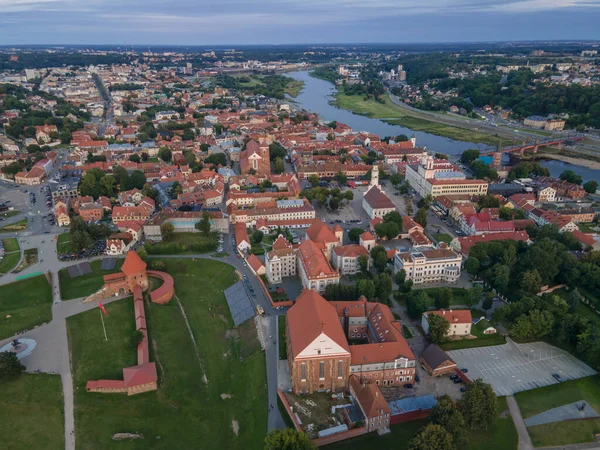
point(594, 165)
point(395, 115)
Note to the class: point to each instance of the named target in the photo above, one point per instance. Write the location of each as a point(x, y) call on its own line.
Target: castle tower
point(375, 176)
point(413, 140)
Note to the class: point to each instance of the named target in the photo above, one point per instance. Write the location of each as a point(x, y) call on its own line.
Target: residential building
point(373, 405)
point(91, 211)
point(281, 261)
point(345, 258)
point(460, 321)
point(429, 265)
point(314, 268)
point(464, 244)
point(242, 240)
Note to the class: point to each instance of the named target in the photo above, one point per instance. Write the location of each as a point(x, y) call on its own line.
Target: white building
point(429, 265)
point(460, 321)
point(376, 203)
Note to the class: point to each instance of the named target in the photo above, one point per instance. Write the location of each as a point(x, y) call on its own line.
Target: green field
point(13, 227)
point(396, 115)
point(483, 340)
point(31, 413)
point(27, 302)
point(184, 243)
point(185, 412)
point(569, 432)
point(294, 87)
point(501, 436)
point(12, 255)
point(7, 214)
point(63, 243)
point(282, 337)
point(85, 285)
point(442, 237)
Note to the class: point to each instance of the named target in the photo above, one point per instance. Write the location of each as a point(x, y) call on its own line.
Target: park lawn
point(17, 226)
point(9, 262)
point(11, 245)
point(63, 243)
point(282, 337)
point(539, 400)
point(185, 412)
point(396, 115)
point(31, 413)
point(501, 436)
point(28, 302)
point(84, 285)
point(442, 237)
point(568, 432)
point(7, 214)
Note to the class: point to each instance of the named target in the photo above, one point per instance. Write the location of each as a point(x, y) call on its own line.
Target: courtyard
point(512, 367)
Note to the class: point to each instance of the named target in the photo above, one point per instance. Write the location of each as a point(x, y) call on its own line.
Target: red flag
point(101, 306)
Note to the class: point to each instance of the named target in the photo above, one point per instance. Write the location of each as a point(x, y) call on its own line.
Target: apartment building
point(345, 258)
point(281, 261)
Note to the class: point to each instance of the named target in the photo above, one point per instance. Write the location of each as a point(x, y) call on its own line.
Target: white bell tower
point(375, 176)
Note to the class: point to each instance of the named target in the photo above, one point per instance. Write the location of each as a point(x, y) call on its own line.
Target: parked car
point(408, 386)
point(557, 377)
point(417, 378)
point(453, 377)
point(464, 370)
point(458, 380)
point(463, 389)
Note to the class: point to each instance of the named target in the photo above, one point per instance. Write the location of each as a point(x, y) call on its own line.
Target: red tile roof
point(133, 264)
point(454, 315)
point(376, 198)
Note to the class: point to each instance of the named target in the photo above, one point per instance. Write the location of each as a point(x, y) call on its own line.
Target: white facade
point(429, 266)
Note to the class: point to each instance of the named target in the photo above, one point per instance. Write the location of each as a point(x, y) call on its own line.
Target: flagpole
point(103, 327)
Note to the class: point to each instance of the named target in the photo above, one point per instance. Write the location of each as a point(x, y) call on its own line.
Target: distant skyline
point(237, 22)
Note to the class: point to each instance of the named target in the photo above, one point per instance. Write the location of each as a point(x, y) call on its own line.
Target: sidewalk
point(524, 439)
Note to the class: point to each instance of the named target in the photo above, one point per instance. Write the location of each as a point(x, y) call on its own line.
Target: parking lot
point(513, 367)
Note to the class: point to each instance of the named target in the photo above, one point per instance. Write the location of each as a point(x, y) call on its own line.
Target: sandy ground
point(595, 165)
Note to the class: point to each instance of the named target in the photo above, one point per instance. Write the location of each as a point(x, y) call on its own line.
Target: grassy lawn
point(294, 87)
point(185, 412)
point(10, 245)
point(17, 226)
point(7, 214)
point(182, 243)
point(501, 436)
point(483, 340)
point(30, 257)
point(85, 285)
point(63, 243)
point(396, 115)
point(31, 413)
point(282, 337)
point(442, 237)
point(587, 227)
point(9, 262)
point(569, 432)
point(28, 302)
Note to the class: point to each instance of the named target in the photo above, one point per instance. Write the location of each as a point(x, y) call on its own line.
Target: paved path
point(524, 439)
point(561, 413)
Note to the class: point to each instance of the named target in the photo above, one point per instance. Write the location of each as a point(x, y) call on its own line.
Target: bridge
point(532, 145)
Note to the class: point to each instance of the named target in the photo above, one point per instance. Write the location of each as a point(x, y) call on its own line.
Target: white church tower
point(375, 175)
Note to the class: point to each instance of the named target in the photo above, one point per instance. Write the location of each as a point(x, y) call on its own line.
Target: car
point(464, 370)
point(417, 378)
point(408, 386)
point(458, 380)
point(463, 389)
point(557, 377)
point(453, 376)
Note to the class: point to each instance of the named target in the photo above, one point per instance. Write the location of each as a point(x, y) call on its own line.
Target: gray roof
point(435, 356)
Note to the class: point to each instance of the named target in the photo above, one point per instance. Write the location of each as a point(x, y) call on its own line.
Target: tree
point(396, 179)
point(341, 178)
point(176, 189)
point(389, 230)
point(468, 156)
point(438, 328)
point(354, 234)
point(288, 439)
point(135, 158)
point(488, 301)
point(381, 261)
point(166, 230)
point(137, 179)
point(591, 187)
point(165, 154)
point(400, 277)
point(446, 414)
point(571, 177)
point(488, 201)
point(279, 165)
point(204, 224)
point(80, 240)
point(366, 288)
point(478, 405)
point(531, 281)
point(313, 180)
point(383, 287)
point(417, 303)
point(474, 295)
point(421, 217)
point(257, 236)
point(444, 298)
point(10, 367)
point(393, 216)
point(433, 437)
point(408, 206)
point(89, 185)
point(472, 265)
point(363, 263)
point(107, 185)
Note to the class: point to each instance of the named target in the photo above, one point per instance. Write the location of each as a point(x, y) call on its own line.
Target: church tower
point(375, 175)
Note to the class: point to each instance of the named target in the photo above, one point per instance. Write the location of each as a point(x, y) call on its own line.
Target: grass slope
point(17, 226)
point(396, 115)
point(28, 302)
point(569, 432)
point(31, 413)
point(184, 412)
point(85, 285)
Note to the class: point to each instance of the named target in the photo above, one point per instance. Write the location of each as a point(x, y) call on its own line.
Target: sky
point(230, 22)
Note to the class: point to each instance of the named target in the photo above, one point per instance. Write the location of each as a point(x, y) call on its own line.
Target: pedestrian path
point(524, 439)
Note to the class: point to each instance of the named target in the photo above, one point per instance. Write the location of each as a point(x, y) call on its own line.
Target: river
point(317, 94)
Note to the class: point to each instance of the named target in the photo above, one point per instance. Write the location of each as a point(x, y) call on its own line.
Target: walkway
point(524, 439)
